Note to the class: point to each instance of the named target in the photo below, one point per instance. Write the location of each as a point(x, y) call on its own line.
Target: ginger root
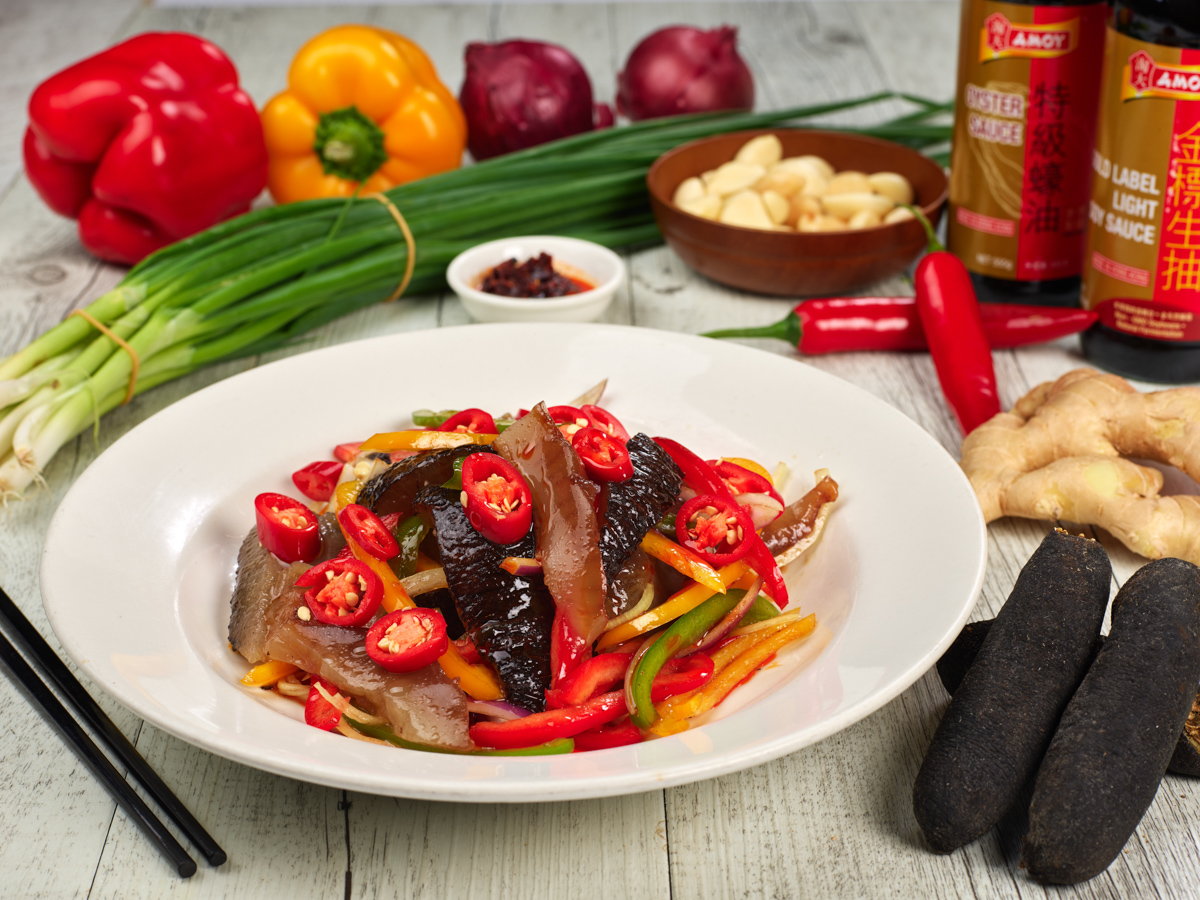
point(1061, 454)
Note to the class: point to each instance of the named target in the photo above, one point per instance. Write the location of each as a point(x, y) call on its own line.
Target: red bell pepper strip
point(498, 502)
point(703, 479)
point(368, 531)
point(145, 143)
point(951, 320)
point(741, 480)
point(470, 421)
point(590, 678)
point(603, 455)
point(601, 418)
point(538, 728)
point(286, 527)
point(407, 639)
point(317, 480)
point(620, 734)
point(715, 527)
point(681, 675)
point(342, 591)
point(568, 648)
point(347, 452)
point(850, 324)
point(319, 712)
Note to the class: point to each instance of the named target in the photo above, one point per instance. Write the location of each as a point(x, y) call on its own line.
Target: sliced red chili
point(741, 480)
point(497, 499)
point(619, 734)
point(366, 529)
point(604, 457)
point(715, 527)
point(407, 639)
point(342, 591)
point(347, 452)
point(287, 527)
point(470, 421)
point(601, 418)
point(317, 480)
point(319, 712)
point(569, 419)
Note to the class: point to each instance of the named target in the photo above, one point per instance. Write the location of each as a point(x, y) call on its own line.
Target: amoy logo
point(1001, 39)
point(1145, 77)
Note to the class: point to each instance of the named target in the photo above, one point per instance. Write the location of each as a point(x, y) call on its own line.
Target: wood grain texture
point(833, 820)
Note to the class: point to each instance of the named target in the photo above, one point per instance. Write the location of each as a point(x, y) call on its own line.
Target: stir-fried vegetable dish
point(528, 584)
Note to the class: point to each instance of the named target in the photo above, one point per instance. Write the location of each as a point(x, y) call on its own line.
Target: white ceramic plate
point(139, 561)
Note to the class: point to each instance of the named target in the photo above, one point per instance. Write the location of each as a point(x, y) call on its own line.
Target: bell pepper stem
point(935, 246)
point(786, 329)
point(349, 144)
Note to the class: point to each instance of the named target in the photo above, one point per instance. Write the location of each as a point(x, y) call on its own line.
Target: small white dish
point(596, 264)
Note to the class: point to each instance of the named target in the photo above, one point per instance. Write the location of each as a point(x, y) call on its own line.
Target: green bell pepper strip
point(682, 633)
point(455, 482)
point(408, 534)
point(385, 733)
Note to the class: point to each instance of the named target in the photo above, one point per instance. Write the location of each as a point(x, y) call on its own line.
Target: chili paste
point(534, 278)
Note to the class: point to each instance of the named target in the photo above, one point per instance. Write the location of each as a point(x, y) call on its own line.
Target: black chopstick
point(41, 653)
point(89, 754)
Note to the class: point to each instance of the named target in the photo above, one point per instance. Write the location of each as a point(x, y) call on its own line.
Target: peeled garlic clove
point(899, 214)
point(844, 206)
point(777, 206)
point(764, 150)
point(865, 218)
point(802, 205)
point(780, 181)
point(689, 189)
point(746, 209)
point(818, 163)
point(831, 223)
point(809, 222)
point(891, 185)
point(706, 206)
point(733, 177)
point(849, 182)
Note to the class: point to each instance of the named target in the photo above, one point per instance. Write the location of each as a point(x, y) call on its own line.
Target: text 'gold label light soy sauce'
point(1142, 261)
point(1024, 125)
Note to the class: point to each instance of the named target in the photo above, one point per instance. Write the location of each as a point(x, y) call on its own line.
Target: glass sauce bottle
point(1028, 85)
point(1142, 264)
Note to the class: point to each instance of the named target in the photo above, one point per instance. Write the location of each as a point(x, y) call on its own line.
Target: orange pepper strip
point(680, 602)
point(477, 681)
point(268, 673)
point(720, 686)
point(422, 440)
point(682, 560)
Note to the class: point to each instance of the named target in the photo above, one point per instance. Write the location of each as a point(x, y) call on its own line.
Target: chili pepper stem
point(935, 245)
point(786, 329)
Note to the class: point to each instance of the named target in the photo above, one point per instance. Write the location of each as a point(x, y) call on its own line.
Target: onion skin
point(519, 94)
point(681, 69)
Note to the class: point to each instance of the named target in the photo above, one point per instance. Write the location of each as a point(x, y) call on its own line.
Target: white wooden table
point(833, 820)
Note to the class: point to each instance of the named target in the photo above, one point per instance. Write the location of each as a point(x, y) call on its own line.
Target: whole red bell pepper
point(145, 143)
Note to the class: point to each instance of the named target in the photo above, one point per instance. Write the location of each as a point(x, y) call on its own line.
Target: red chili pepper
point(539, 728)
point(469, 651)
point(470, 421)
point(319, 712)
point(498, 501)
point(145, 143)
point(342, 591)
point(408, 639)
point(368, 531)
point(317, 480)
point(620, 734)
point(951, 320)
point(287, 527)
point(703, 479)
point(715, 527)
point(603, 455)
point(601, 418)
point(569, 419)
point(741, 480)
point(568, 648)
point(850, 324)
point(348, 452)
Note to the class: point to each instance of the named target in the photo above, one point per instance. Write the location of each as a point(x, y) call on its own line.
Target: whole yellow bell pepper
point(363, 107)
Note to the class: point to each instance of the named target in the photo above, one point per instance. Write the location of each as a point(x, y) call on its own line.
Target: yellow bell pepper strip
point(682, 601)
point(364, 109)
point(723, 683)
point(423, 440)
point(682, 560)
point(477, 681)
point(345, 494)
point(266, 674)
point(750, 465)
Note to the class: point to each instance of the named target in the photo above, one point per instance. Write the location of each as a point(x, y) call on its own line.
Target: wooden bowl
point(790, 264)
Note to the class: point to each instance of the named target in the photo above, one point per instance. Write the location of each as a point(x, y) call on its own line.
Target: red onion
point(681, 69)
point(497, 709)
point(519, 94)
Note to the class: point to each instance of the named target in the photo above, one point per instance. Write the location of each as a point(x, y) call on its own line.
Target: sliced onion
point(630, 703)
point(763, 508)
point(497, 709)
point(780, 621)
point(630, 614)
point(727, 624)
point(424, 582)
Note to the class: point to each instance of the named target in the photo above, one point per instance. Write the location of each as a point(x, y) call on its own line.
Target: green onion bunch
point(259, 281)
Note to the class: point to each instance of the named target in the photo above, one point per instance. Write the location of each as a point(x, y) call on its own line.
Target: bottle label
point(1029, 80)
point(1142, 263)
